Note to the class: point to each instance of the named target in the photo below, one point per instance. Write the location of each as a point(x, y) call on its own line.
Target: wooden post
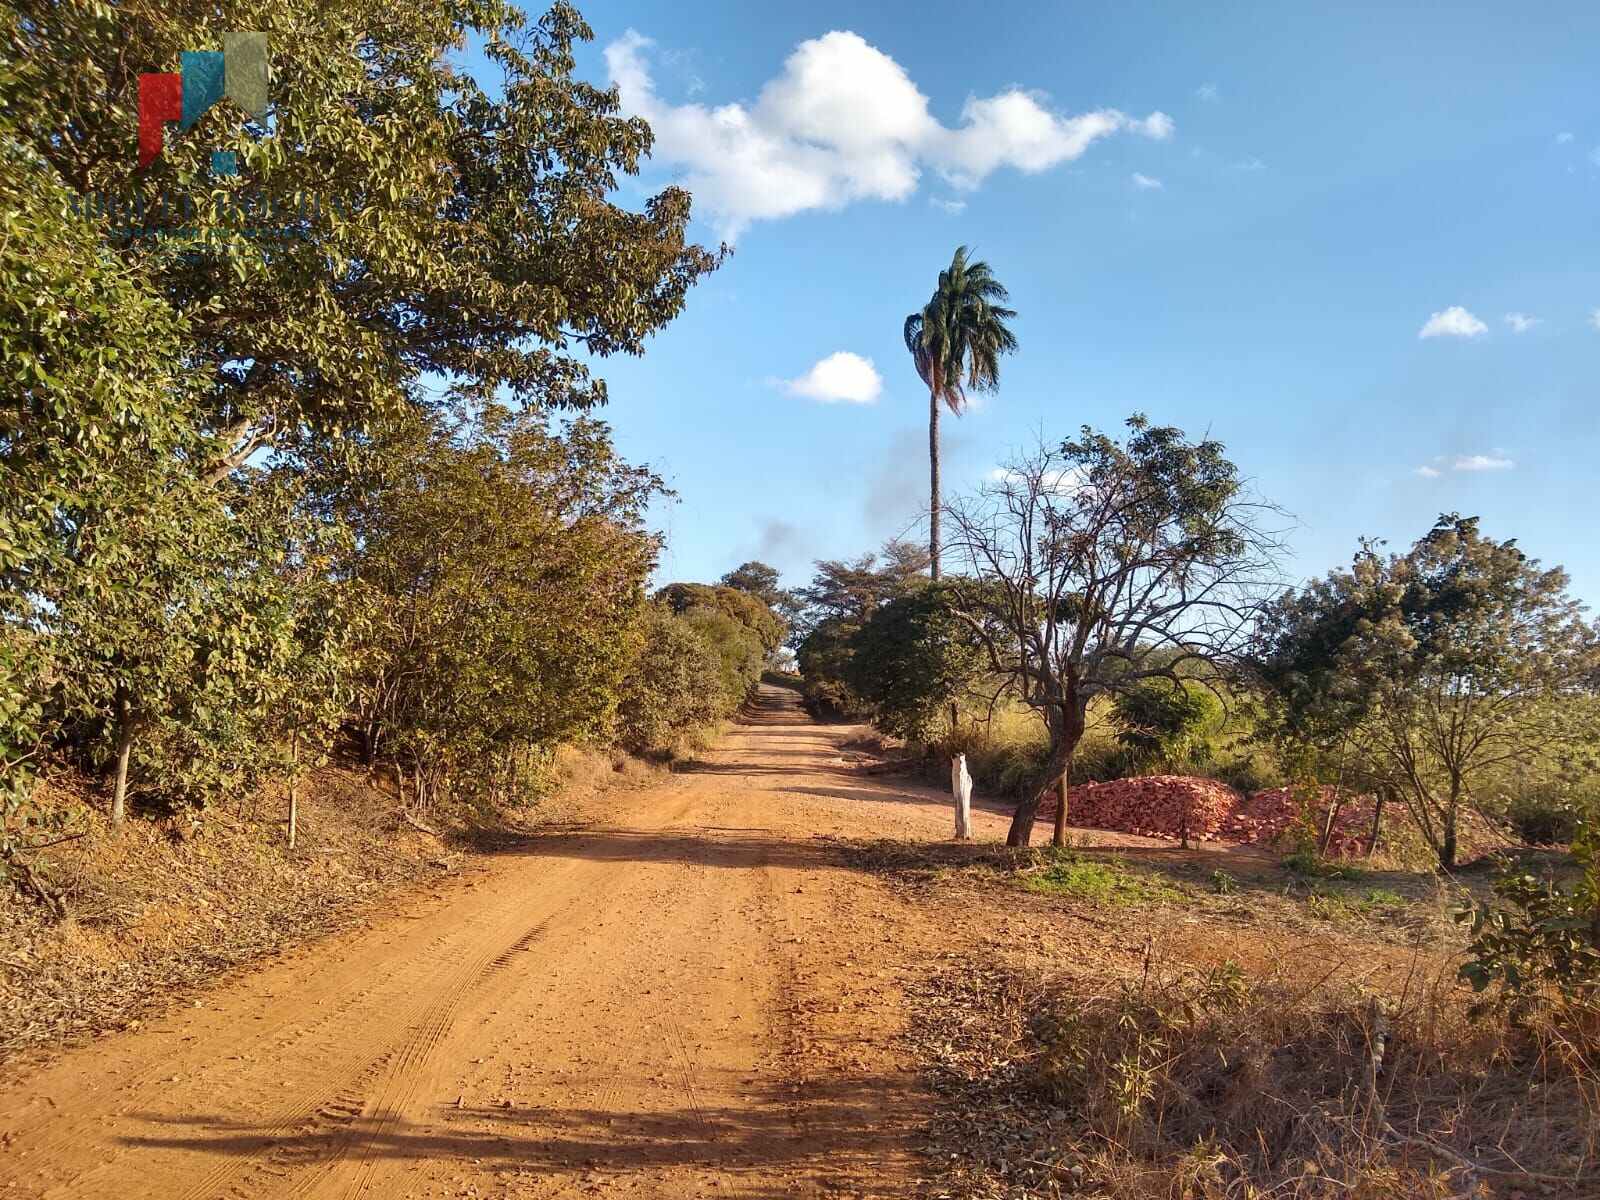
point(961, 789)
point(294, 788)
point(119, 789)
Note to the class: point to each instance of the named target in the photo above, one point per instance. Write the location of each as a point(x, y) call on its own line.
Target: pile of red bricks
point(1168, 806)
point(1153, 805)
point(1265, 816)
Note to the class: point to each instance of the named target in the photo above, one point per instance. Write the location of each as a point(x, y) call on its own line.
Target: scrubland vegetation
point(323, 543)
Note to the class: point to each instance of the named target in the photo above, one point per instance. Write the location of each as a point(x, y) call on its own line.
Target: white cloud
point(1247, 165)
point(1563, 138)
point(1065, 481)
point(1594, 318)
point(1206, 91)
point(1454, 321)
point(953, 207)
point(1481, 462)
point(1145, 183)
point(1521, 323)
point(1497, 461)
point(843, 122)
point(841, 376)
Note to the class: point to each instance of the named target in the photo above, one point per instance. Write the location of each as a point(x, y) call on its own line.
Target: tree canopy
point(1430, 670)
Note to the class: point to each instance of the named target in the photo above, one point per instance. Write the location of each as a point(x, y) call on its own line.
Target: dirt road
point(684, 993)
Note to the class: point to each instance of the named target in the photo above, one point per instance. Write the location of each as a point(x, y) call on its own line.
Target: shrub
point(675, 685)
point(1538, 936)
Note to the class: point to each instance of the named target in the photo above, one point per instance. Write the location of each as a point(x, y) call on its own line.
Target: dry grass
point(1338, 1061)
point(1179, 1083)
point(170, 903)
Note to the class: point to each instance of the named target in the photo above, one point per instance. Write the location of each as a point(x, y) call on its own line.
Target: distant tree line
point(1136, 579)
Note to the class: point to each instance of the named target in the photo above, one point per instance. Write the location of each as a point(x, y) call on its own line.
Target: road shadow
point(829, 1128)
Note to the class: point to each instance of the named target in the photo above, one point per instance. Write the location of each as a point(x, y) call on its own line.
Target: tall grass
point(1212, 1084)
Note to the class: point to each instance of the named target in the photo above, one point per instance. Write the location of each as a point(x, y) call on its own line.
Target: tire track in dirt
point(613, 998)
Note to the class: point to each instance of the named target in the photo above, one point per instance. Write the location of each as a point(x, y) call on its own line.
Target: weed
point(1305, 861)
point(1097, 882)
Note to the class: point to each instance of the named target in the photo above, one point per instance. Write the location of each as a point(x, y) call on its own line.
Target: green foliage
point(911, 657)
point(957, 338)
point(461, 232)
point(463, 592)
point(1427, 673)
point(500, 565)
point(1161, 723)
point(762, 582)
point(840, 599)
point(1305, 861)
point(1102, 563)
point(1538, 935)
point(1097, 882)
point(677, 683)
point(741, 606)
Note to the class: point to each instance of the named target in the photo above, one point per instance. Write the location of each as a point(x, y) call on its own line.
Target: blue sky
point(1239, 219)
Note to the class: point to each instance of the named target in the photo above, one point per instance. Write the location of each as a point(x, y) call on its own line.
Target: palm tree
point(956, 342)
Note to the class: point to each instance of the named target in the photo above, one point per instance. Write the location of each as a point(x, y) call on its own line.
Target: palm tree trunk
point(933, 472)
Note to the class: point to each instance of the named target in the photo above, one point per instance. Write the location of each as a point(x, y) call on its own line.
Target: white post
point(961, 789)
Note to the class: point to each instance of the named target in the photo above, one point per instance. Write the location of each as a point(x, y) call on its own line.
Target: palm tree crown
point(957, 339)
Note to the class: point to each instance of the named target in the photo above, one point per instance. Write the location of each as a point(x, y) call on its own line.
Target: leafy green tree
point(676, 683)
point(743, 607)
point(910, 659)
point(1162, 723)
point(449, 230)
point(1099, 564)
point(501, 567)
point(1434, 669)
point(841, 597)
point(763, 582)
point(956, 341)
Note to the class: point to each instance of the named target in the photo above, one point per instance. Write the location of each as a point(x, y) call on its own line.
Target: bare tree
point(1096, 564)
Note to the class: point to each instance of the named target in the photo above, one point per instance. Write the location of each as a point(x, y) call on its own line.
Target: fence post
point(961, 789)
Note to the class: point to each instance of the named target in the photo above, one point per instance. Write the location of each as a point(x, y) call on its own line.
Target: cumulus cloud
point(1563, 138)
point(1521, 323)
point(1481, 462)
point(1594, 318)
point(842, 376)
point(952, 207)
point(1206, 91)
point(1497, 461)
point(1145, 183)
point(843, 122)
point(1454, 321)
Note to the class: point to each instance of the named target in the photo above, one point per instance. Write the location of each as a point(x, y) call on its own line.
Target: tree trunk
point(1447, 851)
point(1377, 821)
point(1059, 837)
point(1066, 727)
point(119, 790)
point(934, 545)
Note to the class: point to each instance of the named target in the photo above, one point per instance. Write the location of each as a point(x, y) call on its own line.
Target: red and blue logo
point(237, 71)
